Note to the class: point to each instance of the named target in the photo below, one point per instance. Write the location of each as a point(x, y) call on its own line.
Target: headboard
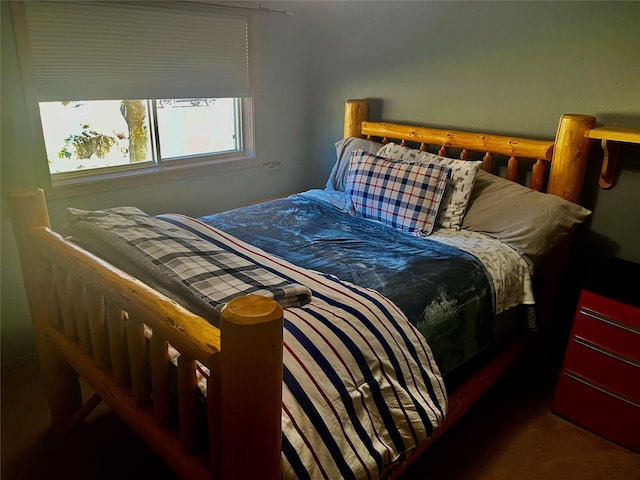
point(564, 158)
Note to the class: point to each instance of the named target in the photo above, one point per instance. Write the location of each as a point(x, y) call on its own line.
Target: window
point(88, 137)
point(126, 88)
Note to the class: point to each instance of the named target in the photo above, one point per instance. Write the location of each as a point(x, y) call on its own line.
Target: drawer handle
point(598, 316)
point(605, 351)
point(600, 388)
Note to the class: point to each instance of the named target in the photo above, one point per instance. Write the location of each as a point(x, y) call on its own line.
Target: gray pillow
point(338, 176)
point(531, 222)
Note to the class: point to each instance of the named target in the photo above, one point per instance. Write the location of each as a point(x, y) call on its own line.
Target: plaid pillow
point(405, 196)
point(463, 176)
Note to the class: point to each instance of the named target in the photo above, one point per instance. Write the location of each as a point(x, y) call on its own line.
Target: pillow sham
point(530, 222)
point(344, 147)
point(405, 196)
point(456, 198)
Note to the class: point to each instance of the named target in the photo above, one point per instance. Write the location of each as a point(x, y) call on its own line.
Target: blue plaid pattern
point(405, 196)
point(180, 257)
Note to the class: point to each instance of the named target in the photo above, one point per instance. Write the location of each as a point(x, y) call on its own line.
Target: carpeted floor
point(509, 434)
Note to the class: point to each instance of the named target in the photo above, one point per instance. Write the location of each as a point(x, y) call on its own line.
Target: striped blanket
point(360, 387)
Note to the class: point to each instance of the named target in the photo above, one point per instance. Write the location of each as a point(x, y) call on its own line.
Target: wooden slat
point(79, 293)
point(137, 361)
point(512, 169)
point(214, 420)
point(538, 174)
point(487, 162)
point(444, 151)
point(98, 329)
point(117, 343)
point(465, 154)
point(65, 301)
point(188, 402)
point(54, 317)
point(84, 411)
point(159, 358)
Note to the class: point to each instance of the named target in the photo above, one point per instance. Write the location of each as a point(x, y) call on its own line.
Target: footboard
point(95, 321)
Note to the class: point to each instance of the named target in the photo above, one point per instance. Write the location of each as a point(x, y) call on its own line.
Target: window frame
point(93, 180)
point(241, 158)
point(126, 176)
point(239, 136)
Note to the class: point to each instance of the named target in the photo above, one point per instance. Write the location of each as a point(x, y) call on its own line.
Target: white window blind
point(102, 50)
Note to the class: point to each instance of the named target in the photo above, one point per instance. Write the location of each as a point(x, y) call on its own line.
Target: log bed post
point(247, 411)
point(28, 210)
point(355, 111)
point(570, 155)
point(244, 397)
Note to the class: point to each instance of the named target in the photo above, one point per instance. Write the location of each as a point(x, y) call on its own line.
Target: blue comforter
point(445, 292)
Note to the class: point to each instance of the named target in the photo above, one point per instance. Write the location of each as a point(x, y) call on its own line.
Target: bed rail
point(567, 153)
point(92, 320)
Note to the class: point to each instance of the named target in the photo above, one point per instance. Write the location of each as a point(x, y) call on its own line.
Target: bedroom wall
point(280, 137)
point(512, 67)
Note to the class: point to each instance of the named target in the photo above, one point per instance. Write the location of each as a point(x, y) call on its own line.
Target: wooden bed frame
point(89, 321)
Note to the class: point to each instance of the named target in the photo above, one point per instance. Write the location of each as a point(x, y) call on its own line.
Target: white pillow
point(456, 197)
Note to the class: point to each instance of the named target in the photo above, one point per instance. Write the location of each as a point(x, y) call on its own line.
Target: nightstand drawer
point(613, 309)
point(598, 410)
point(604, 367)
point(599, 387)
point(608, 330)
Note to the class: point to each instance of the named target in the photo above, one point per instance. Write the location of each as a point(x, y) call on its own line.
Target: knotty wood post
point(355, 111)
point(570, 155)
point(28, 210)
point(568, 168)
point(248, 406)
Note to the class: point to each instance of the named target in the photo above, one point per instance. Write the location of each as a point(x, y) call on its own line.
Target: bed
point(202, 382)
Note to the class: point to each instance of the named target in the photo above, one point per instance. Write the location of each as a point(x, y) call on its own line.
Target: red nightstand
point(599, 385)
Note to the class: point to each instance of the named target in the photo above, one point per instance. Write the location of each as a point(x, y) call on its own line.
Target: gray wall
point(511, 67)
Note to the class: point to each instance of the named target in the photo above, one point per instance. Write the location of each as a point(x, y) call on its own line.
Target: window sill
point(90, 184)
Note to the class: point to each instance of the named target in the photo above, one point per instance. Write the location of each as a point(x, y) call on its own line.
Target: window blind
point(100, 50)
